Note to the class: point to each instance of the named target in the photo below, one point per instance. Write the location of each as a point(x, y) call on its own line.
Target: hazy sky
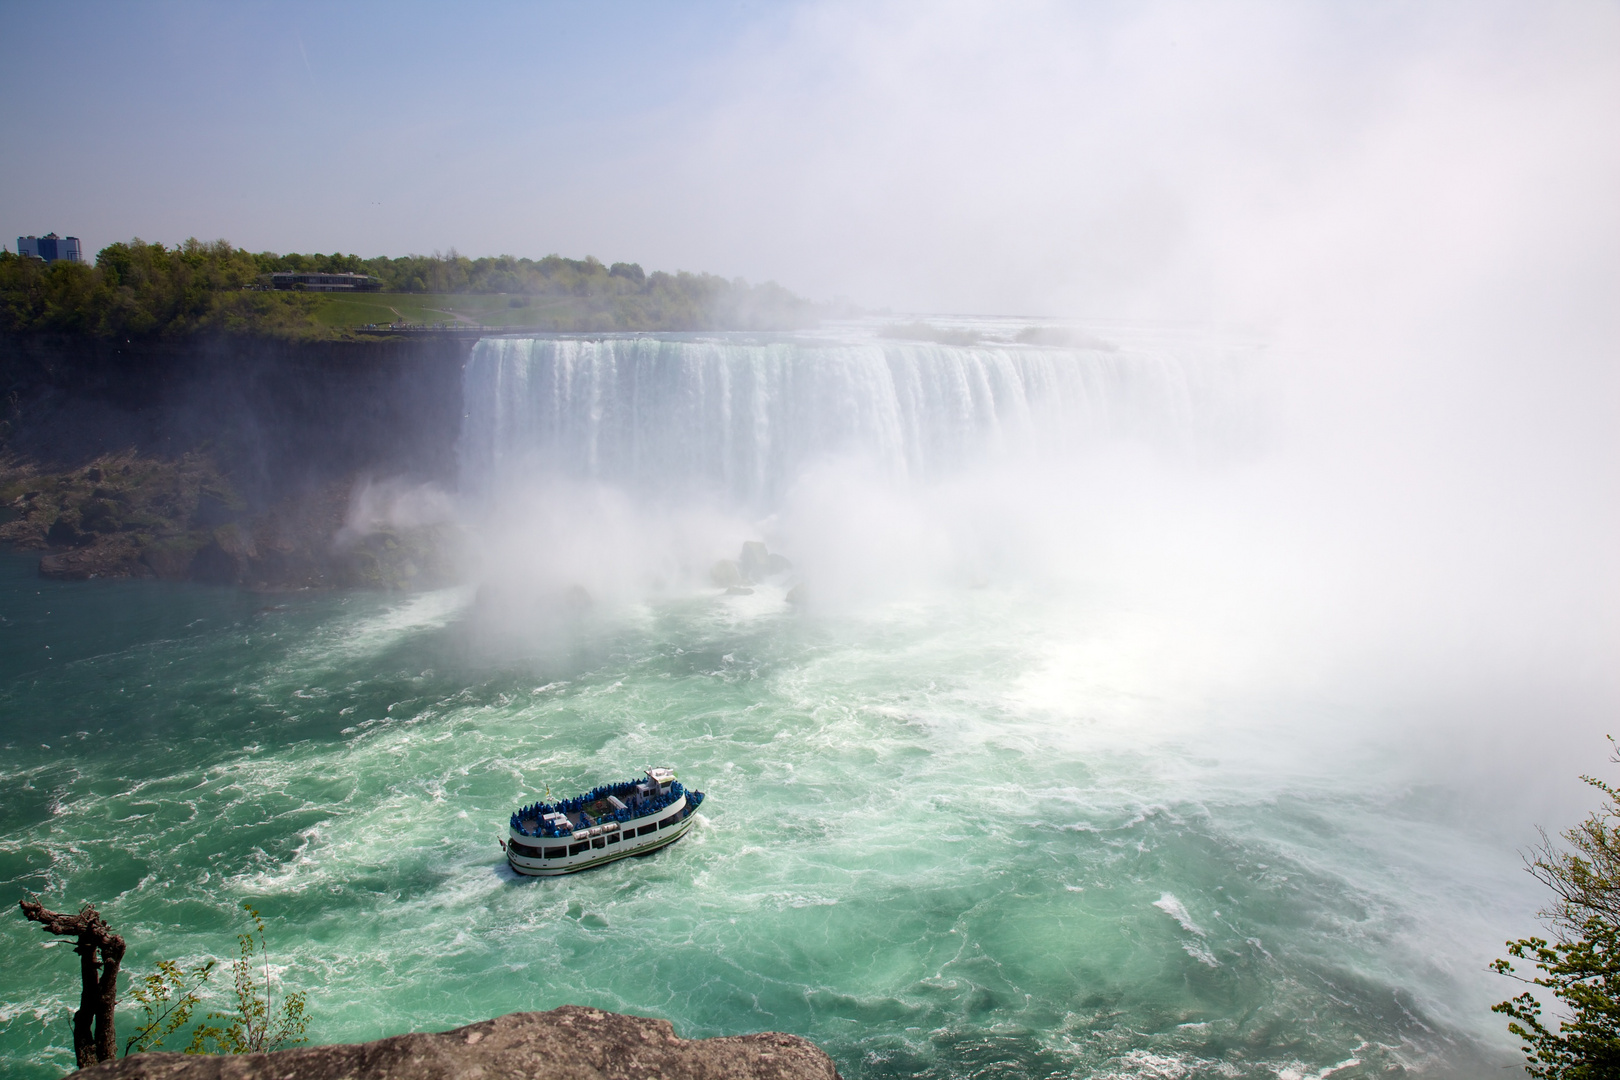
point(1166, 159)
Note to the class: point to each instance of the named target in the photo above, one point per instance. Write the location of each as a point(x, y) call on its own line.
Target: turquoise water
point(1081, 760)
point(901, 856)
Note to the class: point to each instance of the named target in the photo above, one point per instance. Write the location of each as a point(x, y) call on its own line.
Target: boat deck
point(604, 824)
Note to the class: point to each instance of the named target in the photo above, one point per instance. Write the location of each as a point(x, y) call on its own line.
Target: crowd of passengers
point(574, 809)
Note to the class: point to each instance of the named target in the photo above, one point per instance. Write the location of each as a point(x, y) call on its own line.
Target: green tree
point(169, 996)
point(1581, 964)
point(137, 289)
point(256, 1025)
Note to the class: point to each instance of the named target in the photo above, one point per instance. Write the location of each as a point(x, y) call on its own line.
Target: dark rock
point(754, 561)
point(170, 559)
point(213, 565)
point(212, 511)
point(236, 541)
point(171, 442)
point(64, 532)
point(570, 1043)
point(27, 533)
point(795, 595)
point(109, 557)
point(420, 557)
point(99, 516)
point(726, 574)
point(278, 416)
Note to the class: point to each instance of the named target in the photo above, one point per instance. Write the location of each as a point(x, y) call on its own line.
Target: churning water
point(975, 809)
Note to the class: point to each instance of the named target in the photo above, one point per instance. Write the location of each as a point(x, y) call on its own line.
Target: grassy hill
point(341, 311)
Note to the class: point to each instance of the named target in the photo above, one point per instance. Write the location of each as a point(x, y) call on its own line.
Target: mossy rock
point(99, 516)
point(215, 508)
point(403, 559)
point(213, 565)
point(170, 558)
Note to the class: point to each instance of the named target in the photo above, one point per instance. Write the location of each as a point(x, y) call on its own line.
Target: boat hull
point(621, 847)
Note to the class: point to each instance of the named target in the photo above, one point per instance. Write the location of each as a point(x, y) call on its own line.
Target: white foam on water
point(374, 631)
point(1168, 904)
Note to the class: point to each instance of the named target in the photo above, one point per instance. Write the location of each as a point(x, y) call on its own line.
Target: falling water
point(742, 419)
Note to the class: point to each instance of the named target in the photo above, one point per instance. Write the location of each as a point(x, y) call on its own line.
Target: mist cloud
point(1412, 205)
point(1172, 160)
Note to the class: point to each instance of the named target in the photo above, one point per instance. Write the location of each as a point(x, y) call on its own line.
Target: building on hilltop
point(50, 247)
point(325, 282)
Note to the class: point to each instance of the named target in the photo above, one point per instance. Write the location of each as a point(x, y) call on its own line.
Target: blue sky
point(1160, 158)
point(314, 126)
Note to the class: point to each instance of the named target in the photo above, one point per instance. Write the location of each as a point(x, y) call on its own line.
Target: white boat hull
point(554, 856)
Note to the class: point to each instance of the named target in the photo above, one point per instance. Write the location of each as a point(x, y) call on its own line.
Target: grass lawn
point(463, 309)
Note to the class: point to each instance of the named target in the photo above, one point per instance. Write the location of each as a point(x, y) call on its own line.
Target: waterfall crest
point(740, 419)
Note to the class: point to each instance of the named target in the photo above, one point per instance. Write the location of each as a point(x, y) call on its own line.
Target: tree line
point(137, 289)
point(456, 273)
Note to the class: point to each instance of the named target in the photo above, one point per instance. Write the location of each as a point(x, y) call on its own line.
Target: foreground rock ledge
point(570, 1043)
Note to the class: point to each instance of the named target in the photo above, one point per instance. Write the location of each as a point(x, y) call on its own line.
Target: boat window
point(645, 829)
point(613, 838)
point(671, 820)
point(556, 852)
point(575, 849)
point(522, 849)
point(599, 841)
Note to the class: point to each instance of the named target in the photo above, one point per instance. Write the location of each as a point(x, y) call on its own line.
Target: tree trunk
point(94, 1038)
point(112, 954)
point(84, 1042)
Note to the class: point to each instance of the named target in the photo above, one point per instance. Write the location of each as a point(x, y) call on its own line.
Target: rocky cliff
point(570, 1043)
point(221, 459)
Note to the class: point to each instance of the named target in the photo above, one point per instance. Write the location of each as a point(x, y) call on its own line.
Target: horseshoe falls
point(742, 420)
point(1067, 756)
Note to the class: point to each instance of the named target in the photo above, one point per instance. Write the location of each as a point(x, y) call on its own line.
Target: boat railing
point(544, 815)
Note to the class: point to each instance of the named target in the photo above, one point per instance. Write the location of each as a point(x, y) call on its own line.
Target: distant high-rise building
point(50, 247)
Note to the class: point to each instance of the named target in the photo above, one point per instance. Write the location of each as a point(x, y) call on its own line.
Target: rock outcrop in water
point(753, 565)
point(570, 1043)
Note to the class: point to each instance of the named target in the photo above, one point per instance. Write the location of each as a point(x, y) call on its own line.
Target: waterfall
point(742, 418)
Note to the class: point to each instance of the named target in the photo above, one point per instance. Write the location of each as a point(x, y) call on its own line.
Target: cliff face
point(227, 460)
point(570, 1043)
point(277, 415)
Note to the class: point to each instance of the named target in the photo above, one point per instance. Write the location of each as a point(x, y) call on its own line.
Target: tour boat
point(636, 817)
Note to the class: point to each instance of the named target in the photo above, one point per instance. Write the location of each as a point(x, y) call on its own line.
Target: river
point(994, 801)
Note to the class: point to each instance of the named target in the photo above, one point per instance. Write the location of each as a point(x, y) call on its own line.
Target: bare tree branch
point(94, 1037)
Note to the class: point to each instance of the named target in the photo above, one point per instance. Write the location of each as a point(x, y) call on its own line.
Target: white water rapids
point(1099, 744)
